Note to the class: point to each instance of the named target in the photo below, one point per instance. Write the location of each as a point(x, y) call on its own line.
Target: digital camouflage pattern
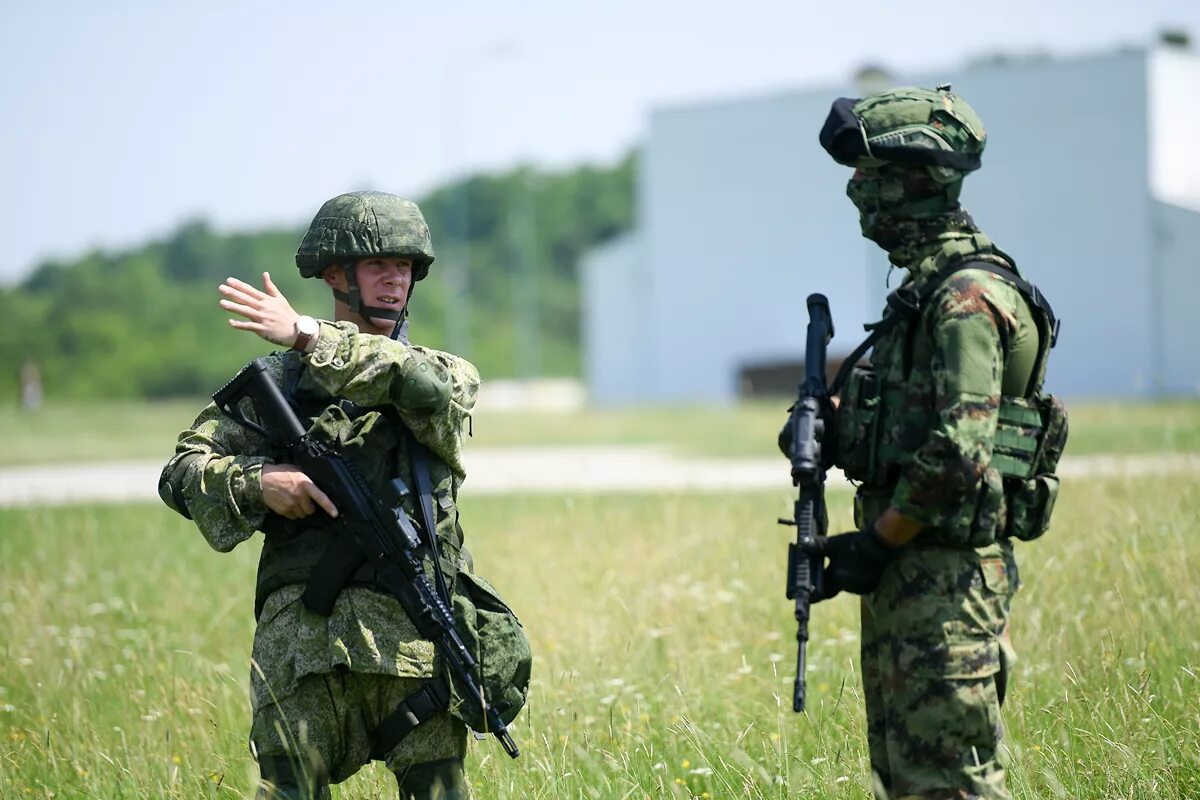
point(934, 719)
point(922, 119)
point(333, 714)
point(901, 206)
point(935, 647)
point(941, 377)
point(364, 224)
point(935, 661)
point(216, 475)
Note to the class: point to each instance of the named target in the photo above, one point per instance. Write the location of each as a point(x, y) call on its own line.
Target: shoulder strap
point(420, 466)
point(907, 302)
point(293, 368)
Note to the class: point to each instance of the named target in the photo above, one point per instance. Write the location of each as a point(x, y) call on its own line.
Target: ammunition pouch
point(878, 428)
point(494, 636)
point(1018, 491)
point(856, 426)
point(868, 409)
point(1030, 438)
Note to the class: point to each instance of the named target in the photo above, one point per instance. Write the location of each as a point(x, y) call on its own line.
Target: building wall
point(1177, 286)
point(743, 215)
point(1064, 188)
point(614, 321)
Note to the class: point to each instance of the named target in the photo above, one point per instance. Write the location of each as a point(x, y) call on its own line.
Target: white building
point(1090, 180)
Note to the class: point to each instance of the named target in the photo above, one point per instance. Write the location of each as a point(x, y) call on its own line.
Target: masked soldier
point(951, 441)
point(323, 687)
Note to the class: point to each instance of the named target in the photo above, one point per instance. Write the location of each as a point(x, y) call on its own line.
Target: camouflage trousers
point(935, 660)
point(322, 729)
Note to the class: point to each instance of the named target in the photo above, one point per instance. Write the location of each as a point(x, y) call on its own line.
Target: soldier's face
point(382, 283)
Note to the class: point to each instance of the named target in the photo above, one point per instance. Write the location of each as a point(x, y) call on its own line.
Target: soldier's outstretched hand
point(267, 313)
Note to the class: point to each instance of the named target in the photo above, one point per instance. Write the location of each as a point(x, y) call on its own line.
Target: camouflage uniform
point(319, 685)
point(935, 645)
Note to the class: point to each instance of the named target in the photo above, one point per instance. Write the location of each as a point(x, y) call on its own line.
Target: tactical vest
point(885, 416)
point(379, 445)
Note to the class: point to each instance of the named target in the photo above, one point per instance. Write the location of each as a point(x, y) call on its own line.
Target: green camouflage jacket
point(215, 476)
point(942, 376)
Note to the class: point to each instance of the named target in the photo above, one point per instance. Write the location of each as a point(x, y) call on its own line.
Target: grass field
point(78, 431)
point(664, 653)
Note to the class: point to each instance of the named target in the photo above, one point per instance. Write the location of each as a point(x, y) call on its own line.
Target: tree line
point(144, 322)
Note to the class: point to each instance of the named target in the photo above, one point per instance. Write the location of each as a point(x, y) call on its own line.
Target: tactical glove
point(856, 562)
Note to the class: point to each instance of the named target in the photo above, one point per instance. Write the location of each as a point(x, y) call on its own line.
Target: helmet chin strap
point(353, 299)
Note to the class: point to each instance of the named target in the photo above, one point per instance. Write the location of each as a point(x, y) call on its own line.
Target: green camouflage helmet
point(365, 224)
point(912, 127)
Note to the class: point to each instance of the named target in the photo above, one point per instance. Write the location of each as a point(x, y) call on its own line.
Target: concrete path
point(613, 468)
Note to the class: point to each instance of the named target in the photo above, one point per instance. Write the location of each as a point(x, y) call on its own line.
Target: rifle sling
point(420, 466)
point(422, 705)
point(434, 696)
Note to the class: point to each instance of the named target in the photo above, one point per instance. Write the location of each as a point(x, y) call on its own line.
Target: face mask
point(898, 207)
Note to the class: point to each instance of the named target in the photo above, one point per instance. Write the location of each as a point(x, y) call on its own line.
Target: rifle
point(807, 427)
point(379, 534)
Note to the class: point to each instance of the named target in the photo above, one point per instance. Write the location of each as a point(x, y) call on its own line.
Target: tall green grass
point(664, 648)
point(80, 431)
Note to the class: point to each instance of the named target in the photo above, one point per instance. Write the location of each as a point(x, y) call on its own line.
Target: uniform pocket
point(995, 575)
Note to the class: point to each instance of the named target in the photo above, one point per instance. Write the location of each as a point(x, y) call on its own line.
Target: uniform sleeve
point(215, 478)
point(445, 433)
point(433, 392)
point(967, 369)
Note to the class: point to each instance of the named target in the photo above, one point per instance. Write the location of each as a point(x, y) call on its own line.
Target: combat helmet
point(360, 225)
point(912, 127)
point(911, 148)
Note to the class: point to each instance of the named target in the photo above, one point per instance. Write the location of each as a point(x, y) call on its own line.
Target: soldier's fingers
point(244, 287)
point(237, 296)
point(270, 286)
point(304, 506)
point(244, 325)
point(322, 500)
point(240, 310)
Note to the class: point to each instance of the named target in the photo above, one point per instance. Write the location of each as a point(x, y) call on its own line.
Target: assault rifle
point(382, 535)
point(806, 426)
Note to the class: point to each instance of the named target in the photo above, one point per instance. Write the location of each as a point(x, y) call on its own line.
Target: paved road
point(543, 469)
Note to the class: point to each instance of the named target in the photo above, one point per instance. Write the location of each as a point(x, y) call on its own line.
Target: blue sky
point(125, 118)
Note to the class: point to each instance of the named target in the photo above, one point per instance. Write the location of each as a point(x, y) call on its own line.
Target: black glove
point(856, 562)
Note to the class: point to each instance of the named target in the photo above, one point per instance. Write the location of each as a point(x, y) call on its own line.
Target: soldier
point(321, 686)
point(961, 352)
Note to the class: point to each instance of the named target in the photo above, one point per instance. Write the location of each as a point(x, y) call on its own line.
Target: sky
point(125, 119)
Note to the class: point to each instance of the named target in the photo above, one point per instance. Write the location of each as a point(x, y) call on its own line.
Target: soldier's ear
point(333, 275)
